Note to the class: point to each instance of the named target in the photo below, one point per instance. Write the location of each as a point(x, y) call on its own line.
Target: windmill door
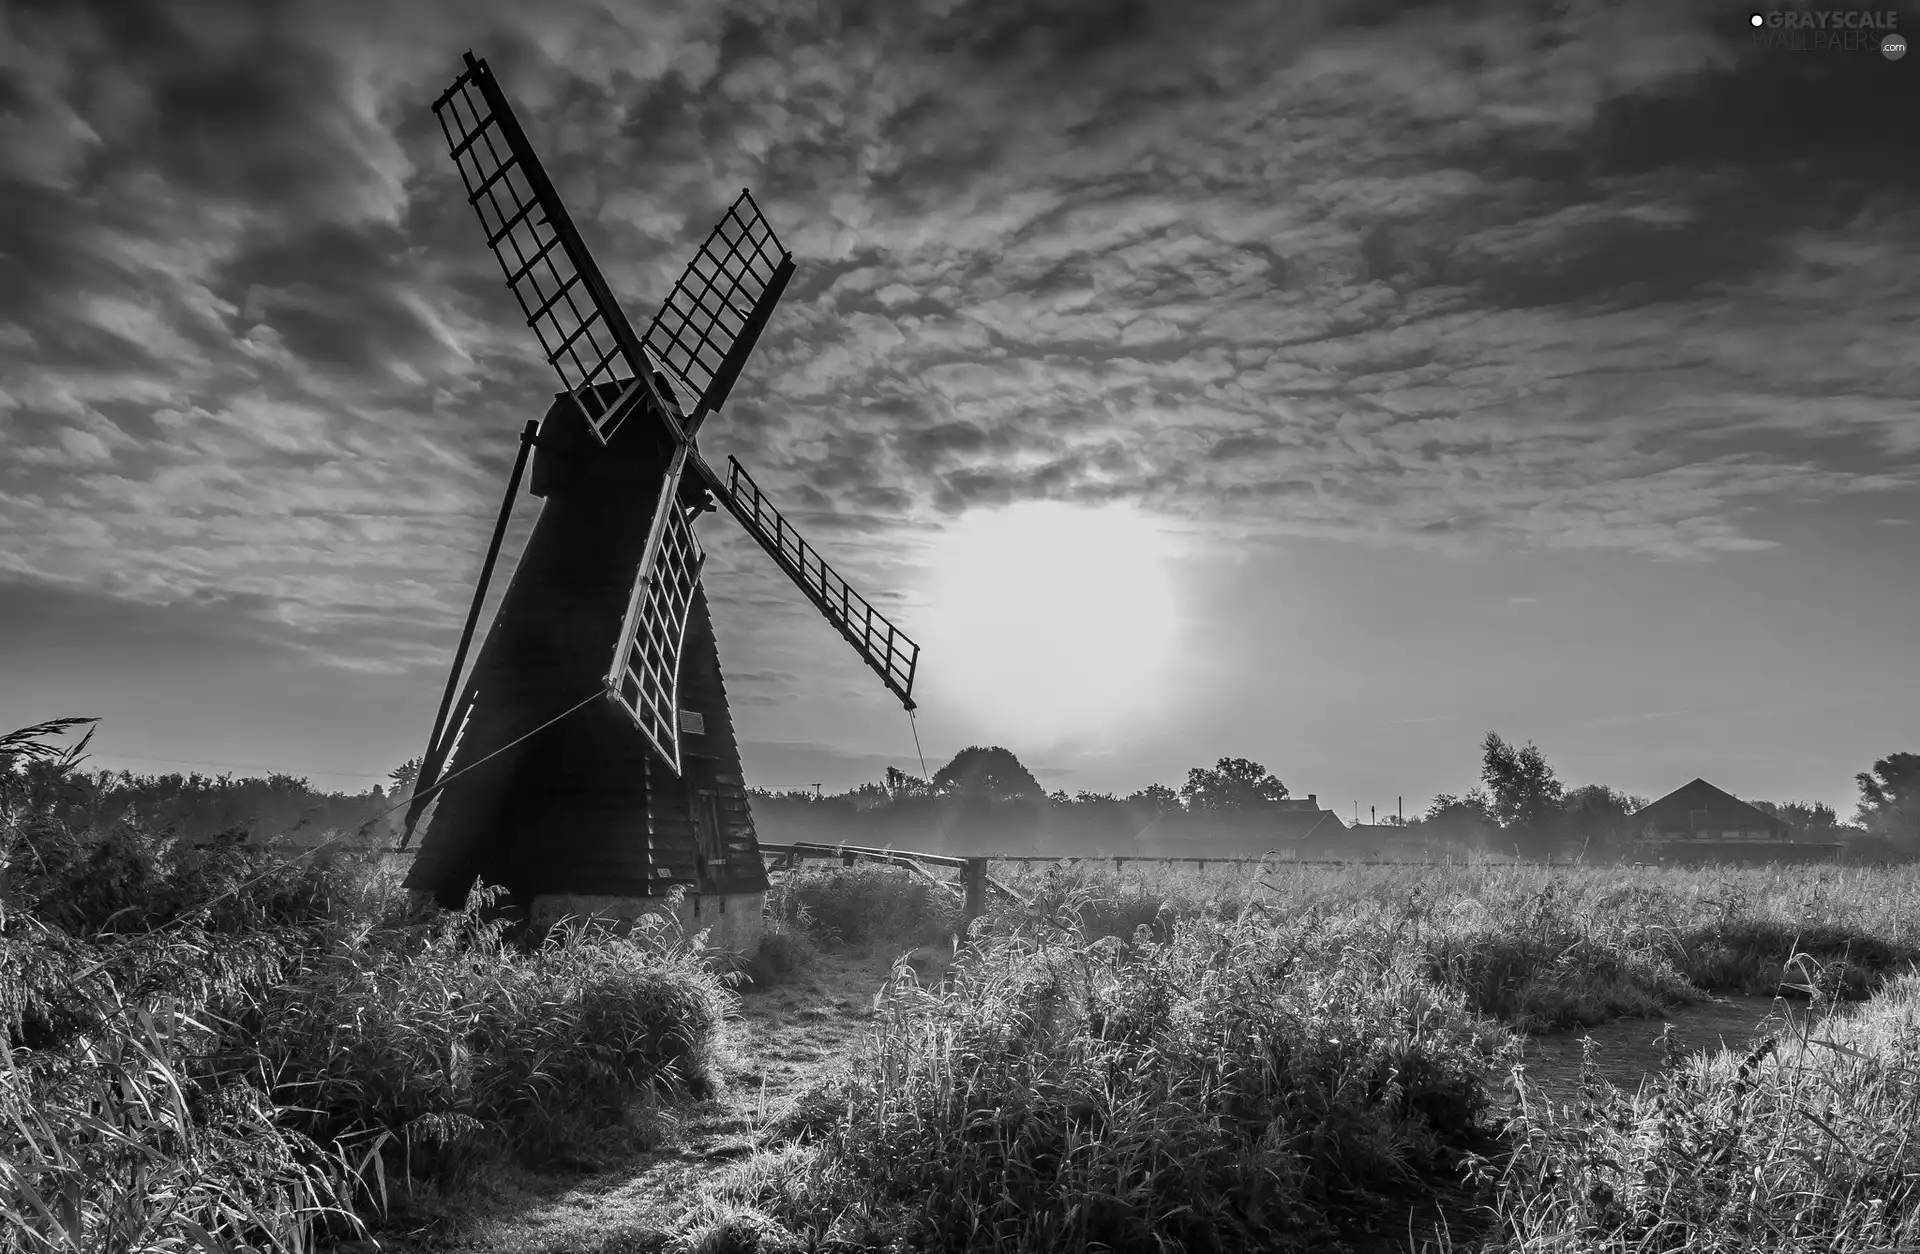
point(703, 800)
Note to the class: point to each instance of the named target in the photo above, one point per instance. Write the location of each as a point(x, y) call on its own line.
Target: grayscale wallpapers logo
point(1830, 30)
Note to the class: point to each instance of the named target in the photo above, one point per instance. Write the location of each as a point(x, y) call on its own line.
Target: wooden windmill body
point(586, 763)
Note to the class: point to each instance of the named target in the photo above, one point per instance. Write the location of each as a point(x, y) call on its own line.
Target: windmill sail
point(644, 681)
point(873, 636)
point(704, 333)
point(566, 300)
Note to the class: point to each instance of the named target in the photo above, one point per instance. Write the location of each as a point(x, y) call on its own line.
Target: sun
point(1051, 620)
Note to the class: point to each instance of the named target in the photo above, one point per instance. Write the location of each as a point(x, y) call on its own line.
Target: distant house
point(1291, 828)
point(1393, 842)
point(1700, 823)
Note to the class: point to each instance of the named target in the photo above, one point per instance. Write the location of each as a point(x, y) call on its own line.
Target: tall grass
point(1559, 947)
point(217, 1049)
point(1253, 1083)
point(1810, 1140)
point(213, 1049)
point(454, 1041)
point(123, 1140)
point(1539, 948)
point(863, 904)
point(1132, 1059)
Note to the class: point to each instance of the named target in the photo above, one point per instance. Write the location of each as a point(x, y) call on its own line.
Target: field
point(213, 1049)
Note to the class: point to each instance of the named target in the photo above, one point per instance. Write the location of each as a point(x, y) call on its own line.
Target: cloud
point(46, 624)
point(1608, 279)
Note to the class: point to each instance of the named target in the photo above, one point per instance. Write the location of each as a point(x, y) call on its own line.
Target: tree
point(1812, 817)
point(1521, 787)
point(1467, 819)
point(988, 772)
point(1232, 784)
point(402, 777)
point(1156, 797)
point(1598, 816)
point(1890, 798)
point(868, 796)
point(901, 785)
point(795, 796)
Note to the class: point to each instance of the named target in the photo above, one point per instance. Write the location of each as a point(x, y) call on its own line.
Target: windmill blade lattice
point(645, 679)
point(705, 331)
point(566, 300)
point(873, 636)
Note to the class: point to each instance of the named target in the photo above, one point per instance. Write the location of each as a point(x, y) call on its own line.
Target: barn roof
point(1699, 806)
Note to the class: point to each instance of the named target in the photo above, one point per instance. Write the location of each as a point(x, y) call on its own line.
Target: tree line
point(1520, 804)
point(198, 808)
point(990, 773)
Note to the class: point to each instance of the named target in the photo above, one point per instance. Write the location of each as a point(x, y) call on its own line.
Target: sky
point(1321, 383)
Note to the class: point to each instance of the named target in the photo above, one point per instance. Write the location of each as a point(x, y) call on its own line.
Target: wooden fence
point(974, 880)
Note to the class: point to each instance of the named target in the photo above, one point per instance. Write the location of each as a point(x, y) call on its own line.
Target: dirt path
point(1628, 1051)
point(788, 1035)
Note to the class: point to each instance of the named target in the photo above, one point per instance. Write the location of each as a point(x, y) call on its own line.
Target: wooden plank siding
point(703, 690)
point(585, 806)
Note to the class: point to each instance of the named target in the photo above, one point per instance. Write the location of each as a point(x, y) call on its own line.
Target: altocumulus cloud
point(1592, 276)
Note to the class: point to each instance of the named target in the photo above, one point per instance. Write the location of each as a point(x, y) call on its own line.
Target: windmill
point(587, 761)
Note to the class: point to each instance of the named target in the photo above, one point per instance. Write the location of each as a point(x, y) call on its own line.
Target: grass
point(1064, 1093)
point(214, 1049)
point(1559, 947)
point(864, 903)
point(224, 1050)
point(1135, 1059)
point(1807, 1141)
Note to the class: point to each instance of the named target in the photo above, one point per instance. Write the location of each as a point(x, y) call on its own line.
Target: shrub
point(125, 880)
point(220, 1048)
point(780, 953)
point(862, 904)
point(1250, 1082)
point(460, 1044)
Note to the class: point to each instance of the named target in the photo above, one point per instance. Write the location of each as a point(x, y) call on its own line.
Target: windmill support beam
point(435, 757)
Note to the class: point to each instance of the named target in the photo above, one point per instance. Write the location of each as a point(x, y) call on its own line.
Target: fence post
point(974, 875)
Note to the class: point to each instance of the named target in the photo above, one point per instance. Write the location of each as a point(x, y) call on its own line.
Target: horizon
point(1323, 389)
